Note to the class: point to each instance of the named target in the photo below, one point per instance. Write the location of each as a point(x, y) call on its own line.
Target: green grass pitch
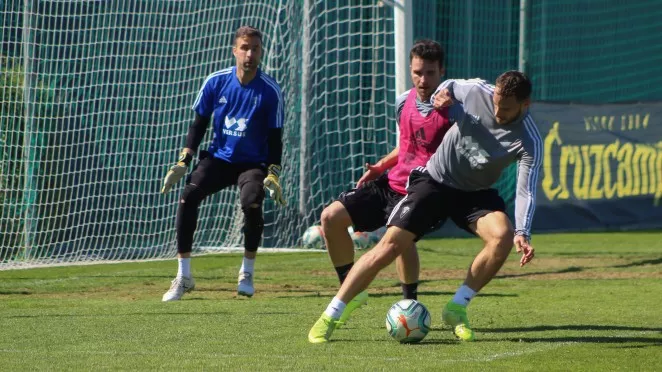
point(588, 302)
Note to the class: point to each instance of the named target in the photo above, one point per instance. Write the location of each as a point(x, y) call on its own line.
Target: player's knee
point(388, 249)
point(501, 239)
point(251, 196)
point(496, 230)
point(191, 196)
point(335, 216)
point(253, 220)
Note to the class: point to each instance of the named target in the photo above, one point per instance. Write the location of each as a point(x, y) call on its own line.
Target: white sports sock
point(335, 308)
point(184, 269)
point(247, 265)
point(463, 295)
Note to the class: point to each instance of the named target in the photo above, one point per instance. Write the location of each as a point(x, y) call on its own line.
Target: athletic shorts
point(211, 174)
point(370, 205)
point(429, 203)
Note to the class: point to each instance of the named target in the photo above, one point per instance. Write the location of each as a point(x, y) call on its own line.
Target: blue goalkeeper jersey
point(243, 114)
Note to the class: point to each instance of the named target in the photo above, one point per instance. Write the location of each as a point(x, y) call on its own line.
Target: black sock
point(410, 291)
point(343, 271)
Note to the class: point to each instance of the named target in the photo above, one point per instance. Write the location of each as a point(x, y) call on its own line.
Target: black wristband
point(185, 158)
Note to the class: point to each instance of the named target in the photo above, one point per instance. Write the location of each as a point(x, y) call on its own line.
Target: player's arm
point(275, 148)
point(456, 90)
point(196, 132)
point(373, 171)
point(527, 182)
point(203, 108)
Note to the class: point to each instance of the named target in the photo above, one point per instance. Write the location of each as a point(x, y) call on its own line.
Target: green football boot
point(358, 301)
point(322, 329)
point(455, 316)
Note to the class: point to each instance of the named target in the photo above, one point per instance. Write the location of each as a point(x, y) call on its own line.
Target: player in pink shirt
point(368, 206)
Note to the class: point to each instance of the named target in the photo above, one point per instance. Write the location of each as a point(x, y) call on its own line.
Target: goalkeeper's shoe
point(358, 301)
point(455, 316)
point(179, 286)
point(245, 287)
point(322, 329)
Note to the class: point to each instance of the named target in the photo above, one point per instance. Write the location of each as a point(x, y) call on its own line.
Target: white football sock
point(335, 308)
point(464, 295)
point(247, 265)
point(184, 269)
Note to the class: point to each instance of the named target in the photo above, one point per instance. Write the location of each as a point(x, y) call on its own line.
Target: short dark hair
point(248, 31)
point(514, 83)
point(428, 50)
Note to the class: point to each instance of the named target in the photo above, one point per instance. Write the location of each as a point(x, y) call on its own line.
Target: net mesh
point(96, 100)
point(96, 105)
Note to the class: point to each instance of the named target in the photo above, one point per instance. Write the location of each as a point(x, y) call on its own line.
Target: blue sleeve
point(204, 102)
point(276, 113)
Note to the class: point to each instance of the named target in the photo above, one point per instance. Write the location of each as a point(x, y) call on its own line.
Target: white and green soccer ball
point(360, 239)
point(408, 321)
point(376, 236)
point(313, 237)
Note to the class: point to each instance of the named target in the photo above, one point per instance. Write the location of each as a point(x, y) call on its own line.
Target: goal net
point(96, 99)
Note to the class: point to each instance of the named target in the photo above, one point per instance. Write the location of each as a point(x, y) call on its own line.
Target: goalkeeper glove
point(272, 185)
point(176, 172)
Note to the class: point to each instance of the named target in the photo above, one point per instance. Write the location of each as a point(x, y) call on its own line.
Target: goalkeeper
point(247, 109)
point(369, 205)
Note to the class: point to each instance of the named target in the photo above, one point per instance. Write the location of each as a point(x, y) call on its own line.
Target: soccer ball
point(408, 321)
point(313, 237)
point(360, 239)
point(376, 236)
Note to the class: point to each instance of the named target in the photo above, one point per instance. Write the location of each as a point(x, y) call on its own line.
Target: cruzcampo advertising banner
point(602, 167)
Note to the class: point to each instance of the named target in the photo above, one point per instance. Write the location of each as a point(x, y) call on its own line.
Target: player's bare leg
point(364, 271)
point(394, 243)
point(408, 266)
point(497, 233)
point(335, 221)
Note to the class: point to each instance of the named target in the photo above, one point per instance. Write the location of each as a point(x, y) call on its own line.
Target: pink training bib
point(419, 138)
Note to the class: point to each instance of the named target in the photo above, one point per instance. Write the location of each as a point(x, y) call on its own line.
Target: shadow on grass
point(616, 339)
point(573, 327)
point(571, 269)
point(657, 261)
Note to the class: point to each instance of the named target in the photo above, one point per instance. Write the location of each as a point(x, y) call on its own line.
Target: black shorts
point(211, 175)
point(370, 205)
point(429, 203)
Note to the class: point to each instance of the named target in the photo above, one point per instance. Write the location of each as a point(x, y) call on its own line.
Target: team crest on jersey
point(405, 210)
point(235, 127)
point(473, 152)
